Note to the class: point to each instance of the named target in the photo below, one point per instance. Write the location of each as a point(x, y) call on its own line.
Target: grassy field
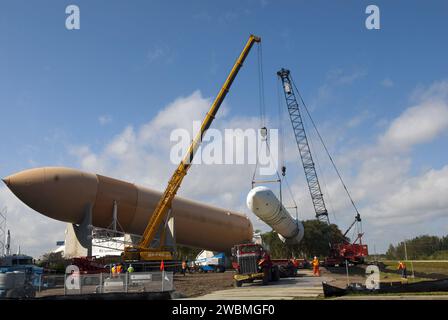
point(423, 270)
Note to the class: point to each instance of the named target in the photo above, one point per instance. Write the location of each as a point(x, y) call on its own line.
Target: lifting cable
point(295, 207)
point(281, 132)
point(279, 180)
point(326, 150)
point(319, 169)
point(264, 130)
point(262, 108)
point(261, 86)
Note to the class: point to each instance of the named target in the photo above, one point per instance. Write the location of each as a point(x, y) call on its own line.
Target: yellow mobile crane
point(143, 250)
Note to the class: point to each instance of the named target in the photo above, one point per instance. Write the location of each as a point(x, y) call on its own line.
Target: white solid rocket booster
point(265, 205)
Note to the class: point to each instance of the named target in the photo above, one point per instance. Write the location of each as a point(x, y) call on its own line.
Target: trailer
point(207, 261)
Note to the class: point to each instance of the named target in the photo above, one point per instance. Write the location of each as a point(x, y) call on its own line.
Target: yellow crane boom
point(164, 203)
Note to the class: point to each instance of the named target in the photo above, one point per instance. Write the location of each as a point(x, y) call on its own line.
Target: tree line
point(316, 241)
point(421, 247)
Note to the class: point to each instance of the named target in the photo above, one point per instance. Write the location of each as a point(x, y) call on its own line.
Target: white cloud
point(416, 200)
point(122, 143)
point(358, 119)
point(179, 114)
point(393, 199)
point(104, 119)
point(141, 154)
point(420, 123)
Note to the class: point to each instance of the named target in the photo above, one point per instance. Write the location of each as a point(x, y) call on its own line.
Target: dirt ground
point(198, 284)
point(339, 275)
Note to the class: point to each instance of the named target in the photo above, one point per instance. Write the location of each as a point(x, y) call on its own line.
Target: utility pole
point(405, 251)
point(406, 258)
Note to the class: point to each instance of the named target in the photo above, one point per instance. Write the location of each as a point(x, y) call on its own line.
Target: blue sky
point(62, 89)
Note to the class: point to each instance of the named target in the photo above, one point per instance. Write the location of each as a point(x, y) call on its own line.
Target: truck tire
point(237, 283)
point(220, 269)
point(266, 276)
point(275, 273)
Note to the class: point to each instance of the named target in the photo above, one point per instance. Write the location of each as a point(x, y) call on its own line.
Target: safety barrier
point(98, 283)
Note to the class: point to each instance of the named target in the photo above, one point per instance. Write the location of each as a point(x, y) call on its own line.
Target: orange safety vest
point(119, 268)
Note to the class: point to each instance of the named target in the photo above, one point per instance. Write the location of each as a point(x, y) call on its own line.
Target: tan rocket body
point(64, 194)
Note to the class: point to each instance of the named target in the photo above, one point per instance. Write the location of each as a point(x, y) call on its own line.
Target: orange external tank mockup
point(64, 194)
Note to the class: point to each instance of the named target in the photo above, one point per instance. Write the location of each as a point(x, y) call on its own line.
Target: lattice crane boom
point(303, 146)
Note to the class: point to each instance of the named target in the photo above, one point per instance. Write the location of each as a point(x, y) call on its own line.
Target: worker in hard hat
point(315, 265)
point(130, 268)
point(402, 268)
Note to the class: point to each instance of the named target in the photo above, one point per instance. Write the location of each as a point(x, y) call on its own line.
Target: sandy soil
point(198, 284)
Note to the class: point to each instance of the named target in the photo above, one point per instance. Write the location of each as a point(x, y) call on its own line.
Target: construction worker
point(315, 264)
point(295, 263)
point(184, 267)
point(130, 268)
point(119, 268)
point(113, 270)
point(402, 268)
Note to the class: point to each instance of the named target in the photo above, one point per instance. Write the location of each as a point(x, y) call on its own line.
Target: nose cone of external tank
point(261, 201)
point(57, 192)
point(26, 185)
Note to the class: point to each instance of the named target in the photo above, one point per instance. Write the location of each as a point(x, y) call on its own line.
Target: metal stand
point(78, 240)
point(3, 233)
point(114, 237)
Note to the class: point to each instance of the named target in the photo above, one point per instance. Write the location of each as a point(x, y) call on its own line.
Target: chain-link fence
point(75, 283)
